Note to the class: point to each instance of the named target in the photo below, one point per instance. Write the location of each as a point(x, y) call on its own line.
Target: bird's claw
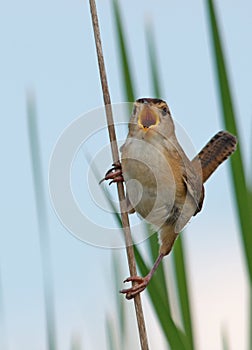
point(114, 174)
point(140, 285)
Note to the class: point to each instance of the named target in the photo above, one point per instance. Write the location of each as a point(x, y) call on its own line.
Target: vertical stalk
point(120, 188)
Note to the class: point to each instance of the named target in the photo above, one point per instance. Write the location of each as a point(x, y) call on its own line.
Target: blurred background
point(48, 52)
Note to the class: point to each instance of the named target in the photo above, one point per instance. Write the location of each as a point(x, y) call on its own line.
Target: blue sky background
point(48, 47)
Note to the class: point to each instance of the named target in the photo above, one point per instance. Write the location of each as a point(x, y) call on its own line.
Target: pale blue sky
point(48, 46)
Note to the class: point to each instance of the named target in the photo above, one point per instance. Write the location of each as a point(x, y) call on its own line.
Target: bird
point(163, 186)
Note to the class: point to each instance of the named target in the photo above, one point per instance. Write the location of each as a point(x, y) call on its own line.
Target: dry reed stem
point(120, 188)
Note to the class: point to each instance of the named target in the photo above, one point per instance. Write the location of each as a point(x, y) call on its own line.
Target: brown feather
point(218, 149)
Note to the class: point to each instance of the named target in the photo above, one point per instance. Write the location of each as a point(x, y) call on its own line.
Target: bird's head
point(151, 115)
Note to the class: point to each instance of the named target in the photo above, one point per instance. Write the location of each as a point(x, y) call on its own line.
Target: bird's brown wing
point(191, 174)
point(218, 149)
point(196, 189)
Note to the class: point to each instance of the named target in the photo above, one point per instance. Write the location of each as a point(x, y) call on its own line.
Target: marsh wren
point(162, 185)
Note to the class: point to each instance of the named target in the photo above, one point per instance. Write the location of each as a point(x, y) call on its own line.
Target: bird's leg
point(140, 282)
point(114, 174)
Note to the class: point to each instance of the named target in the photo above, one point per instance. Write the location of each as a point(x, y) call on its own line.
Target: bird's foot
point(140, 285)
point(114, 174)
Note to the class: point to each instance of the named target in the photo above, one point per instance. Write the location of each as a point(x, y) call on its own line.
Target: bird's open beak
point(148, 117)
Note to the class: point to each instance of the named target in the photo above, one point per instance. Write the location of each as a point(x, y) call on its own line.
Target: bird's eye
point(164, 111)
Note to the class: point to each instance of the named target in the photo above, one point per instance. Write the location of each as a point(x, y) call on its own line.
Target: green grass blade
point(110, 331)
point(43, 226)
point(159, 276)
point(174, 336)
point(153, 63)
point(250, 318)
point(243, 202)
point(183, 290)
point(225, 345)
point(125, 66)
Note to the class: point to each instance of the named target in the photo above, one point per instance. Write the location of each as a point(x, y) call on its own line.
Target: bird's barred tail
point(218, 149)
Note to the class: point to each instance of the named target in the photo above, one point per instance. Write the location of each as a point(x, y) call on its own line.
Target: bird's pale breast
point(149, 178)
